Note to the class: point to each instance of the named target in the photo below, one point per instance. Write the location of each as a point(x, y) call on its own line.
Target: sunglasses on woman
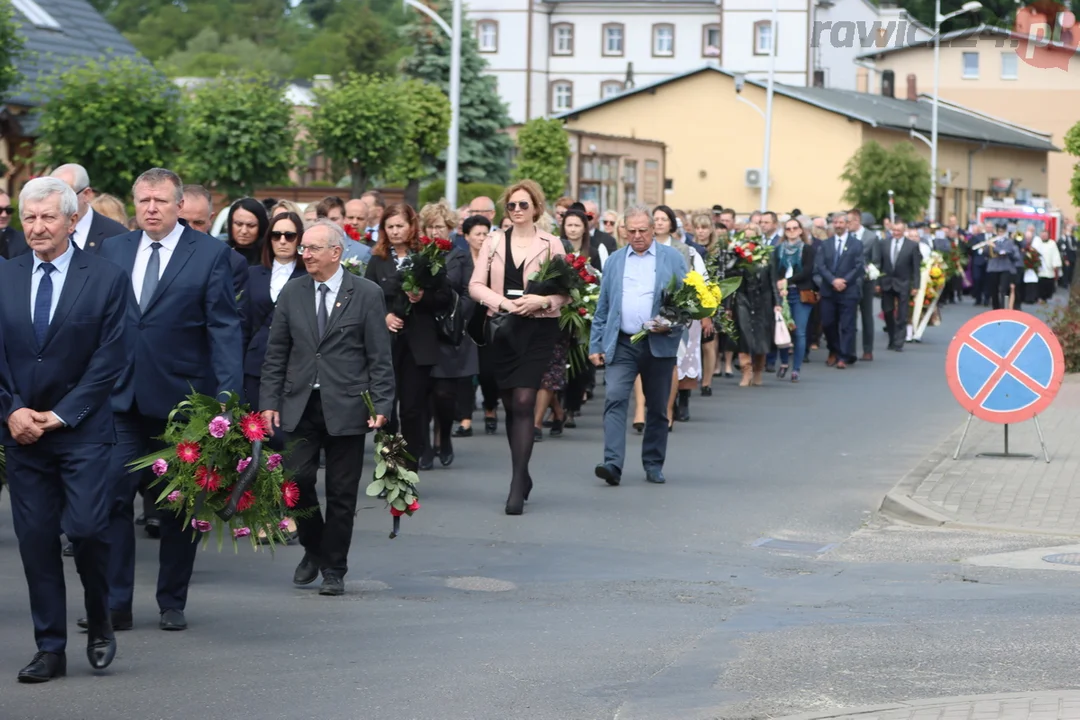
point(793, 228)
point(278, 234)
point(512, 206)
point(609, 222)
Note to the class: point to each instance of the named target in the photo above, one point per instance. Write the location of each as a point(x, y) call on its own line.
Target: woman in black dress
point(755, 319)
point(411, 320)
point(522, 351)
point(247, 225)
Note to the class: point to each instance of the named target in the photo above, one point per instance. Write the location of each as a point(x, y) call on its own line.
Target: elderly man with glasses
point(630, 298)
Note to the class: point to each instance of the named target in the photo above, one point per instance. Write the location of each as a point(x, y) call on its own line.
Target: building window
point(562, 39)
point(1009, 66)
point(710, 41)
point(487, 36)
point(562, 96)
point(663, 40)
point(36, 14)
point(613, 40)
point(610, 88)
point(629, 183)
point(763, 37)
point(651, 182)
point(971, 65)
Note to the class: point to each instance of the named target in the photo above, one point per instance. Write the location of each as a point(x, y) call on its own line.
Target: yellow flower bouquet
point(694, 299)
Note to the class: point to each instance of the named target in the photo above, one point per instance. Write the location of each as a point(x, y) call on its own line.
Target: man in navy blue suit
point(63, 324)
point(840, 266)
point(186, 334)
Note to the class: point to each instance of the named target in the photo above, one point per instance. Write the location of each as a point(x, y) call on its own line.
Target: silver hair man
point(635, 210)
point(336, 238)
point(45, 187)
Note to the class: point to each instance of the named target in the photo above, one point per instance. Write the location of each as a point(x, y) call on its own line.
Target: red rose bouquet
point(215, 473)
point(1032, 258)
point(576, 316)
point(421, 270)
point(750, 253)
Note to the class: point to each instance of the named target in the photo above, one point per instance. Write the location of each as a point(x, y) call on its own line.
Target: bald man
point(92, 228)
point(356, 214)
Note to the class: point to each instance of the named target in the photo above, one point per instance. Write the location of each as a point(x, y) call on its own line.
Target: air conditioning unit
point(753, 177)
point(946, 178)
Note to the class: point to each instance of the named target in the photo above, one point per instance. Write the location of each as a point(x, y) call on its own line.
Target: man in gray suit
point(869, 239)
point(328, 345)
point(900, 262)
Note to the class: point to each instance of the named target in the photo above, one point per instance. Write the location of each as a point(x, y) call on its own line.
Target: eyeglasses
point(7, 210)
point(642, 232)
point(278, 234)
point(310, 248)
point(609, 222)
point(523, 205)
point(793, 228)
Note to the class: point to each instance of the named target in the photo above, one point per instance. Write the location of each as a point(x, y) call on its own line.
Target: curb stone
point(913, 706)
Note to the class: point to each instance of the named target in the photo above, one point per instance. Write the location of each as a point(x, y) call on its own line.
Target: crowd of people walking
point(306, 312)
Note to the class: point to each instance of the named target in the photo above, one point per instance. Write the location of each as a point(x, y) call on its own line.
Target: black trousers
point(576, 385)
point(326, 539)
point(896, 325)
point(866, 316)
point(997, 283)
point(413, 385)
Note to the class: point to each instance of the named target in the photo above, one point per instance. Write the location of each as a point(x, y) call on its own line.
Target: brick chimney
point(912, 91)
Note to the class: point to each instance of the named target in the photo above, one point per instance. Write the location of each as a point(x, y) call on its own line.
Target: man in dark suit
point(841, 267)
point(186, 334)
point(63, 326)
point(869, 240)
point(12, 242)
point(93, 228)
point(597, 236)
point(328, 344)
point(900, 263)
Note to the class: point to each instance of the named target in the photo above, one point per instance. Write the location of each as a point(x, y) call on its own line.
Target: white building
point(550, 56)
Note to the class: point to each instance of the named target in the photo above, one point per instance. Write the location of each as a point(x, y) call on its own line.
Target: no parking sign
point(1005, 367)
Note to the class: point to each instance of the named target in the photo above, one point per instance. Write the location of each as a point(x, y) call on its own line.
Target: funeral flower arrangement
point(934, 272)
point(577, 315)
point(694, 299)
point(216, 474)
point(750, 254)
point(1032, 258)
point(354, 266)
point(392, 481)
point(421, 270)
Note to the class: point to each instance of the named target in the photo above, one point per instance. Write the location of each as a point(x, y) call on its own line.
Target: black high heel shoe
point(515, 504)
point(491, 425)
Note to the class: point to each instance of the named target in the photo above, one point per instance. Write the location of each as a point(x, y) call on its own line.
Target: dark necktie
point(895, 251)
point(150, 279)
point(839, 252)
point(43, 303)
point(322, 316)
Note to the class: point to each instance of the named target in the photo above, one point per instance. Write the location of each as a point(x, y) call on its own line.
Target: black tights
point(445, 406)
point(520, 404)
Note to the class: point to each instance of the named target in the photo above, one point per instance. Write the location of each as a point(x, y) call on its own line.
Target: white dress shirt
point(841, 243)
point(279, 275)
point(82, 229)
point(59, 275)
point(142, 256)
point(333, 285)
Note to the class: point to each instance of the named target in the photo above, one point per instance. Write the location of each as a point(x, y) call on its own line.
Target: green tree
point(360, 122)
point(1072, 146)
point(116, 118)
point(207, 55)
point(11, 47)
point(484, 150)
point(544, 150)
point(237, 133)
point(874, 170)
point(428, 123)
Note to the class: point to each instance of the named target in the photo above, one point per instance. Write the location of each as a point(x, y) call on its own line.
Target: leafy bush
point(1065, 322)
point(466, 192)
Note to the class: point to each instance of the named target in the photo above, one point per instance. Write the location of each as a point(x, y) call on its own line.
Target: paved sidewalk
point(1019, 706)
point(1014, 494)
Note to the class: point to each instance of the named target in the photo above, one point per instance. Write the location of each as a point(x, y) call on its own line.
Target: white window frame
point(1010, 73)
point(656, 35)
point(764, 29)
point(964, 65)
point(481, 28)
point(606, 50)
point(556, 86)
point(705, 44)
point(559, 32)
point(606, 86)
point(37, 15)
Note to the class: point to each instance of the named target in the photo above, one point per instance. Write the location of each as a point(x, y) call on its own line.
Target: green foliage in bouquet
point(393, 480)
point(214, 473)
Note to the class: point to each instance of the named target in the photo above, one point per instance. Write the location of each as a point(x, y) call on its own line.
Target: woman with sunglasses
point(523, 347)
point(247, 225)
point(793, 273)
point(410, 318)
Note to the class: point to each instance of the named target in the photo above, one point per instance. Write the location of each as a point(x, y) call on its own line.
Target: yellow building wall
point(712, 138)
point(1043, 99)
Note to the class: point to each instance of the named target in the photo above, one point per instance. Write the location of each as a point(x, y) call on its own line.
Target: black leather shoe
point(120, 621)
point(463, 431)
point(609, 474)
point(306, 571)
point(682, 413)
point(706, 392)
point(491, 425)
point(538, 435)
point(446, 458)
point(141, 520)
point(639, 427)
point(332, 584)
point(69, 550)
point(426, 462)
point(101, 647)
point(173, 620)
point(153, 528)
point(44, 667)
point(655, 476)
point(556, 428)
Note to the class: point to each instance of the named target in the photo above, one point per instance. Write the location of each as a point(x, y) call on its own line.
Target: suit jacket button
point(39, 358)
point(318, 355)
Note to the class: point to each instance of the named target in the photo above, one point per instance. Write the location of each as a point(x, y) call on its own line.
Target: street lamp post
point(972, 6)
point(768, 107)
point(454, 34)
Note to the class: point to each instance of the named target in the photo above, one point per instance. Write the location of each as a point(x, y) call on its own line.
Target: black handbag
point(450, 323)
point(484, 328)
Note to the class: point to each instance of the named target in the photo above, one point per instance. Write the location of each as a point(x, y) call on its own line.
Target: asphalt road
point(636, 602)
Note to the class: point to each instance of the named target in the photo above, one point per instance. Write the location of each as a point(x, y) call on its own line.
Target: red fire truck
point(1037, 213)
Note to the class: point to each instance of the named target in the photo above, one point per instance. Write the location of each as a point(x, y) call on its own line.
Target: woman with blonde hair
point(286, 206)
point(527, 325)
point(437, 220)
point(111, 207)
point(701, 223)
